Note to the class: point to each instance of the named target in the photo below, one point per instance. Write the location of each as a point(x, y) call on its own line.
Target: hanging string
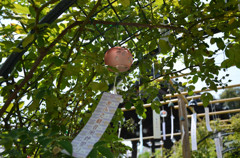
point(117, 34)
point(115, 92)
point(114, 85)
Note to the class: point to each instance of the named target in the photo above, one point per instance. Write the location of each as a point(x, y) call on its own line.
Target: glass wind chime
point(192, 103)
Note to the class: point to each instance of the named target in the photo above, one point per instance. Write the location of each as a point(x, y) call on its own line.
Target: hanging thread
point(114, 85)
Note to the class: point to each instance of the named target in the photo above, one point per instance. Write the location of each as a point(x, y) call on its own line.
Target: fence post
point(183, 121)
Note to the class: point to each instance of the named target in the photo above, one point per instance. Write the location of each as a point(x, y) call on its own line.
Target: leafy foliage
point(231, 93)
point(55, 86)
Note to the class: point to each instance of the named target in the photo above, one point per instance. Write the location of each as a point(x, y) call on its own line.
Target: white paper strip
point(207, 119)
point(156, 125)
point(218, 147)
point(164, 130)
point(183, 134)
point(172, 126)
point(95, 127)
point(194, 131)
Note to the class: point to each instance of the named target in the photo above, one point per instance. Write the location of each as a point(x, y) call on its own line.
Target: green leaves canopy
point(60, 77)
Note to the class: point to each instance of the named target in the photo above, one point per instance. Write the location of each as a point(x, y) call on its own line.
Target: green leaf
point(155, 106)
point(128, 105)
point(212, 41)
point(40, 93)
point(32, 11)
point(158, 2)
point(195, 79)
point(29, 39)
point(206, 97)
point(56, 60)
point(34, 105)
point(44, 141)
point(164, 46)
point(186, 2)
point(52, 103)
point(172, 39)
point(125, 3)
point(20, 9)
point(213, 86)
point(139, 107)
point(184, 83)
point(40, 41)
point(190, 93)
point(16, 50)
point(191, 87)
point(9, 107)
point(93, 153)
point(99, 143)
point(6, 142)
point(66, 145)
point(105, 152)
point(99, 86)
point(227, 63)
point(21, 105)
point(220, 43)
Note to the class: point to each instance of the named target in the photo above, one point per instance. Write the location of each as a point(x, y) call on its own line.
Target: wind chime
point(193, 104)
point(171, 105)
point(119, 58)
point(163, 114)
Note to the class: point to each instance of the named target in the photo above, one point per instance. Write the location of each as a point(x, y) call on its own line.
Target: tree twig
point(42, 55)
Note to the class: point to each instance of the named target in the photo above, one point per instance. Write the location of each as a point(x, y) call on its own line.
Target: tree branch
point(42, 55)
point(163, 26)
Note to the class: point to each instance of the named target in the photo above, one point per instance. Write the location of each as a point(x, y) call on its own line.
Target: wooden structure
point(182, 101)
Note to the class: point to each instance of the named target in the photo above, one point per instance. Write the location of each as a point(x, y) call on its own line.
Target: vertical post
point(184, 124)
